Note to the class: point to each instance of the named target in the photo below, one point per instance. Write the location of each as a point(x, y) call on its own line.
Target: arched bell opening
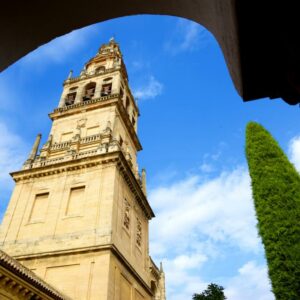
point(89, 91)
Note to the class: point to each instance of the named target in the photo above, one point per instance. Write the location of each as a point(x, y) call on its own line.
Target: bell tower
point(78, 216)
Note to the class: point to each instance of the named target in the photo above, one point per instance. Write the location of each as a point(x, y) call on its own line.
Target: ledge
point(85, 103)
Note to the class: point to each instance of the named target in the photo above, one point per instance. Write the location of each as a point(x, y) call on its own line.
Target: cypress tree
point(276, 194)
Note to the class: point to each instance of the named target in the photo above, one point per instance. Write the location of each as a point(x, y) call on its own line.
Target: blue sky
point(191, 127)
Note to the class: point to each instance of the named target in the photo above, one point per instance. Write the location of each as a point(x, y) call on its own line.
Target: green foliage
point(213, 292)
point(276, 193)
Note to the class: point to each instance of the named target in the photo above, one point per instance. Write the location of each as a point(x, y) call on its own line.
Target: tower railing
point(86, 76)
point(90, 138)
point(59, 146)
point(88, 102)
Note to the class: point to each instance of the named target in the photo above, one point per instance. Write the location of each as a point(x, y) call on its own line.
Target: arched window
point(106, 89)
point(89, 91)
point(70, 97)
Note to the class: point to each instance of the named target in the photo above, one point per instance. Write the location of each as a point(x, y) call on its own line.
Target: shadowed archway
point(257, 39)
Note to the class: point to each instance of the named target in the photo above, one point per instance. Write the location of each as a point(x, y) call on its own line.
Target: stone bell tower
point(78, 216)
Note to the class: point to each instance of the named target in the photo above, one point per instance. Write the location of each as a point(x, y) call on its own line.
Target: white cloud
point(13, 153)
point(209, 160)
point(181, 283)
point(187, 36)
point(206, 167)
point(220, 209)
point(197, 222)
point(150, 90)
point(57, 50)
point(251, 283)
point(294, 151)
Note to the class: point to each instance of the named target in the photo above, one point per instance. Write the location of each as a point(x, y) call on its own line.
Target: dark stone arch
point(258, 39)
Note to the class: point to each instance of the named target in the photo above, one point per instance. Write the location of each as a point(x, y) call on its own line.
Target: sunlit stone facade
point(78, 216)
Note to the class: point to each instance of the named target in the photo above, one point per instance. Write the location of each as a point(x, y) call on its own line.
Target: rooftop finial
point(112, 39)
point(70, 74)
point(35, 148)
point(161, 267)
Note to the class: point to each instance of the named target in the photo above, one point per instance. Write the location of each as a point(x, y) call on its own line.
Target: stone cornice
point(154, 269)
point(131, 269)
point(13, 275)
point(129, 126)
point(135, 187)
point(115, 157)
point(108, 247)
point(65, 166)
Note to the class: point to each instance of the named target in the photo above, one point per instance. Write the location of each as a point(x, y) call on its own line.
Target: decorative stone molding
point(138, 232)
point(155, 272)
point(71, 150)
point(126, 218)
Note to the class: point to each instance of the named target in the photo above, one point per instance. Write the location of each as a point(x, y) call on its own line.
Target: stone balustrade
point(60, 146)
point(91, 138)
point(72, 155)
point(88, 102)
point(87, 76)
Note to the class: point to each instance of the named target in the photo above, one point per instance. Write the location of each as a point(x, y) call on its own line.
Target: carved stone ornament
point(126, 221)
point(81, 123)
point(138, 232)
point(108, 129)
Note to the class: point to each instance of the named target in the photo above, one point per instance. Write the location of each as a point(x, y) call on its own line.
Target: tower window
point(70, 98)
point(75, 203)
point(89, 91)
point(39, 208)
point(106, 90)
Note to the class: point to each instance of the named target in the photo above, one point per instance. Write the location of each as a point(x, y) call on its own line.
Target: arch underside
point(259, 41)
